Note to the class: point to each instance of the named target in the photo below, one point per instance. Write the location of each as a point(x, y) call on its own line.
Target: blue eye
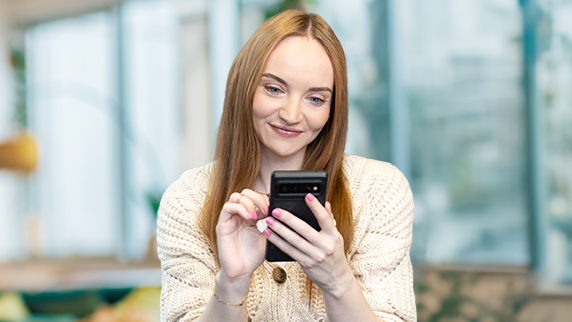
point(273, 90)
point(316, 100)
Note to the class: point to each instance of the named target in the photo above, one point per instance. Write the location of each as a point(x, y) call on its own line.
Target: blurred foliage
point(105, 305)
point(18, 62)
point(154, 201)
point(140, 305)
point(78, 303)
point(301, 5)
point(471, 297)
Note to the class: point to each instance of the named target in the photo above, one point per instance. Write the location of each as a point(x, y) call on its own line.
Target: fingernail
point(310, 197)
point(266, 210)
point(277, 212)
point(270, 221)
point(254, 215)
point(267, 232)
point(248, 215)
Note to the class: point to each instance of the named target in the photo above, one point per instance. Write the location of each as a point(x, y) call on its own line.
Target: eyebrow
point(283, 82)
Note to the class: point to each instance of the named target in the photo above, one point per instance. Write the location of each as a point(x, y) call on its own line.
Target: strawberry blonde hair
point(237, 154)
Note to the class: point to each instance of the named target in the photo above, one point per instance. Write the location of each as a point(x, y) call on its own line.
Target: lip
point(285, 131)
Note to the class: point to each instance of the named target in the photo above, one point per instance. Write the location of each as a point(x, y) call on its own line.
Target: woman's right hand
point(241, 247)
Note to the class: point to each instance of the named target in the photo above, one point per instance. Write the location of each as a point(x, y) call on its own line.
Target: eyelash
point(272, 90)
point(275, 91)
point(316, 100)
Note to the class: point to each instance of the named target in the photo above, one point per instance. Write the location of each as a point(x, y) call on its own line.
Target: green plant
point(18, 62)
point(470, 297)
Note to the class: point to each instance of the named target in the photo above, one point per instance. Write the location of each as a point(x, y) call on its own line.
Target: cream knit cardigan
point(379, 254)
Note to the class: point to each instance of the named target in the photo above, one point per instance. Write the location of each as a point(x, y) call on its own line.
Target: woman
point(286, 109)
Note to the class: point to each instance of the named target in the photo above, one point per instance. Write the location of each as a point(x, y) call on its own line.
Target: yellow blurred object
point(12, 307)
point(140, 305)
point(19, 154)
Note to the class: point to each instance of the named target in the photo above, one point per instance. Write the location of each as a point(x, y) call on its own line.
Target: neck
point(270, 162)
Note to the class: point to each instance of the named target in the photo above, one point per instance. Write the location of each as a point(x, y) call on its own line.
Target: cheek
point(318, 119)
point(261, 107)
point(257, 106)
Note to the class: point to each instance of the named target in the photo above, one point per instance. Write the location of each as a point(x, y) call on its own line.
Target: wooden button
point(279, 275)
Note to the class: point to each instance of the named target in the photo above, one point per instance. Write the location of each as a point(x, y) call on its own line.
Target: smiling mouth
point(285, 131)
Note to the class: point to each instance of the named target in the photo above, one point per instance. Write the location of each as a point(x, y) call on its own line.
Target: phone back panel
point(288, 190)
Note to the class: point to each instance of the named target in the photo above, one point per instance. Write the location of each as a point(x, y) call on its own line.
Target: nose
point(291, 112)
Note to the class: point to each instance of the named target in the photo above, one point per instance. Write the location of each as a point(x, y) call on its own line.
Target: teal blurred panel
point(550, 36)
point(461, 76)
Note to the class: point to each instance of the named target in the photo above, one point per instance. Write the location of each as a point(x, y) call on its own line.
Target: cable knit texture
point(379, 253)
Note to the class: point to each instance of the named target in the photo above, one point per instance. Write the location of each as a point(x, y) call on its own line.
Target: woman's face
point(292, 101)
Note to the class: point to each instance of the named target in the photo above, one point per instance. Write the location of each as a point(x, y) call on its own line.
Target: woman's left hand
point(320, 254)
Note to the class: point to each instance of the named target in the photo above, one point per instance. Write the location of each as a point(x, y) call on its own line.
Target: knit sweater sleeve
point(187, 262)
point(381, 261)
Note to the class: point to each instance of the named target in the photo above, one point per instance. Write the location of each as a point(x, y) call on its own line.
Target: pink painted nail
point(266, 210)
point(310, 197)
point(277, 212)
point(254, 215)
point(267, 232)
point(248, 215)
point(270, 221)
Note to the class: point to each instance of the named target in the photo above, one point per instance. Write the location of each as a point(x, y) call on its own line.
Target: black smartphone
point(287, 191)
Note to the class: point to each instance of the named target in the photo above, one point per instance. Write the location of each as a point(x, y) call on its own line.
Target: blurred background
point(104, 103)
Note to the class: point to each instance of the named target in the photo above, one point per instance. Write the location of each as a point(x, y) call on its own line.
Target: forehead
point(301, 60)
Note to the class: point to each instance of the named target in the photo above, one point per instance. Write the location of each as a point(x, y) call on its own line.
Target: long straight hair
point(237, 154)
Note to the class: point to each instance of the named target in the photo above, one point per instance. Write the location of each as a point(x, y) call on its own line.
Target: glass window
point(71, 107)
point(553, 85)
point(461, 75)
point(104, 106)
point(436, 89)
point(361, 26)
point(152, 106)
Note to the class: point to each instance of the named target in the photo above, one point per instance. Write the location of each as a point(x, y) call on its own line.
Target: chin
point(286, 152)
